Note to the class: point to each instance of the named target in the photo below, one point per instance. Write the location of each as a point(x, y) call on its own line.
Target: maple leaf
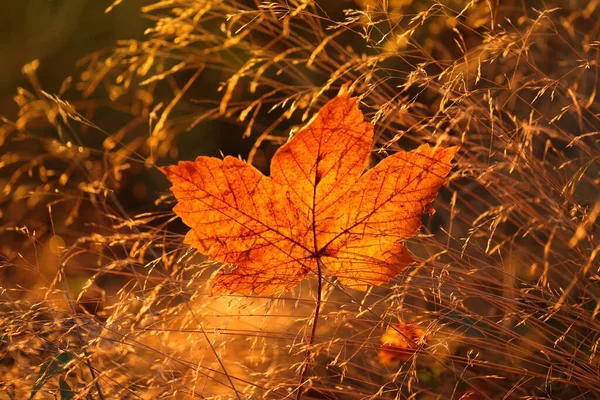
point(318, 211)
point(400, 341)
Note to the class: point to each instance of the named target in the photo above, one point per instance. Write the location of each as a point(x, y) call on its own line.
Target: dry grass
point(506, 293)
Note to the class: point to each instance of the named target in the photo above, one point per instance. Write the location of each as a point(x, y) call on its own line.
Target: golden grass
point(506, 291)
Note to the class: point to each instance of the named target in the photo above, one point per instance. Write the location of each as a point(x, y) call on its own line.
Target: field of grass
point(101, 299)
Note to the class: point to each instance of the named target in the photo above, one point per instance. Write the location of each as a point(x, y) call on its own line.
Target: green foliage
point(66, 393)
point(51, 368)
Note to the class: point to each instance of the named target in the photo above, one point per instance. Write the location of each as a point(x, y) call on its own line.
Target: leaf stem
point(311, 340)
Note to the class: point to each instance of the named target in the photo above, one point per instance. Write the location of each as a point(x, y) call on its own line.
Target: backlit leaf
point(319, 208)
point(400, 341)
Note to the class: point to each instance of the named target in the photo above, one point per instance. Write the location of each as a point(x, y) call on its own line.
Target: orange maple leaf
point(318, 211)
point(400, 342)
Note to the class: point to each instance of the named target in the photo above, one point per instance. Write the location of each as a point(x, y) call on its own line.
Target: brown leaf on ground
point(400, 341)
point(319, 209)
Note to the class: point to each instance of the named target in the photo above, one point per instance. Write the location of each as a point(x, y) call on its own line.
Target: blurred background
point(58, 33)
point(62, 34)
